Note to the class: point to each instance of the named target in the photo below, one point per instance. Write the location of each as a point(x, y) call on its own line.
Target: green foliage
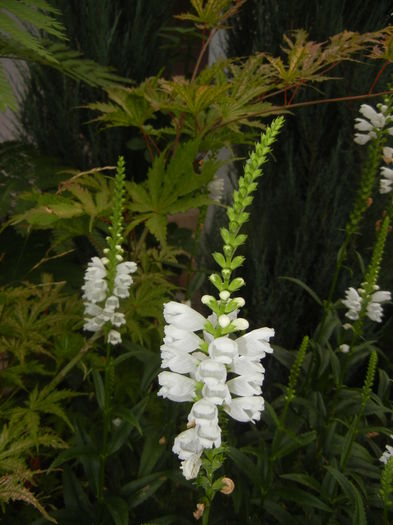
point(21, 26)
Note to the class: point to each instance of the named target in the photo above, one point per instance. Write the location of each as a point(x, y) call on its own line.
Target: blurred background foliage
point(299, 211)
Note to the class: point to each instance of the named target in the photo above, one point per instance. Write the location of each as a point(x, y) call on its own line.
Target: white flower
point(183, 316)
point(245, 366)
point(246, 408)
point(203, 412)
point(211, 372)
point(223, 350)
point(367, 126)
point(344, 348)
point(217, 393)
point(177, 360)
point(387, 154)
point(374, 309)
point(176, 387)
point(353, 302)
point(362, 139)
point(187, 444)
point(387, 454)
point(182, 339)
point(378, 120)
point(385, 186)
point(255, 344)
point(209, 434)
point(126, 267)
point(245, 386)
point(114, 337)
point(190, 467)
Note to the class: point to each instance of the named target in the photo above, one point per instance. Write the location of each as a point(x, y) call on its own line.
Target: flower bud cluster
point(354, 301)
point(215, 373)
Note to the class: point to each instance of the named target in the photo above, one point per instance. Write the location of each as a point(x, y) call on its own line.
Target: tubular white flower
point(255, 345)
point(362, 139)
point(387, 454)
point(114, 338)
point(211, 372)
point(209, 435)
point(385, 186)
point(203, 412)
point(387, 154)
point(176, 387)
point(187, 444)
point(363, 125)
point(183, 316)
point(374, 309)
point(177, 360)
point(182, 339)
point(246, 409)
point(245, 386)
point(223, 350)
point(245, 366)
point(353, 302)
point(217, 393)
point(190, 467)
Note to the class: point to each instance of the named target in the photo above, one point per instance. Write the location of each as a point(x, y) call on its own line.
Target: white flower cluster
point(372, 121)
point(96, 290)
point(227, 374)
point(367, 128)
point(387, 454)
point(386, 182)
point(353, 301)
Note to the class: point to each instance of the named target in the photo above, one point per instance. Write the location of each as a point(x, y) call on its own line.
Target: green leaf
point(352, 494)
point(303, 498)
point(304, 479)
point(304, 286)
point(118, 509)
point(73, 493)
point(99, 388)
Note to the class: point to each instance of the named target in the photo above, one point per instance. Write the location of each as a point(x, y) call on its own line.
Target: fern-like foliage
point(22, 24)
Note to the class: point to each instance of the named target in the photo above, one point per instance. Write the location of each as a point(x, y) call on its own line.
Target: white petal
point(176, 387)
point(245, 408)
point(183, 316)
point(255, 344)
point(114, 338)
point(203, 412)
point(374, 312)
point(245, 386)
point(223, 350)
point(361, 138)
point(177, 360)
point(387, 173)
point(187, 444)
point(211, 372)
point(217, 393)
point(182, 339)
point(363, 125)
point(385, 186)
point(380, 297)
point(190, 467)
point(245, 366)
point(126, 267)
point(209, 435)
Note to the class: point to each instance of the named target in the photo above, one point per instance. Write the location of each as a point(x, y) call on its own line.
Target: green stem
point(206, 512)
point(141, 241)
point(103, 454)
point(74, 361)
